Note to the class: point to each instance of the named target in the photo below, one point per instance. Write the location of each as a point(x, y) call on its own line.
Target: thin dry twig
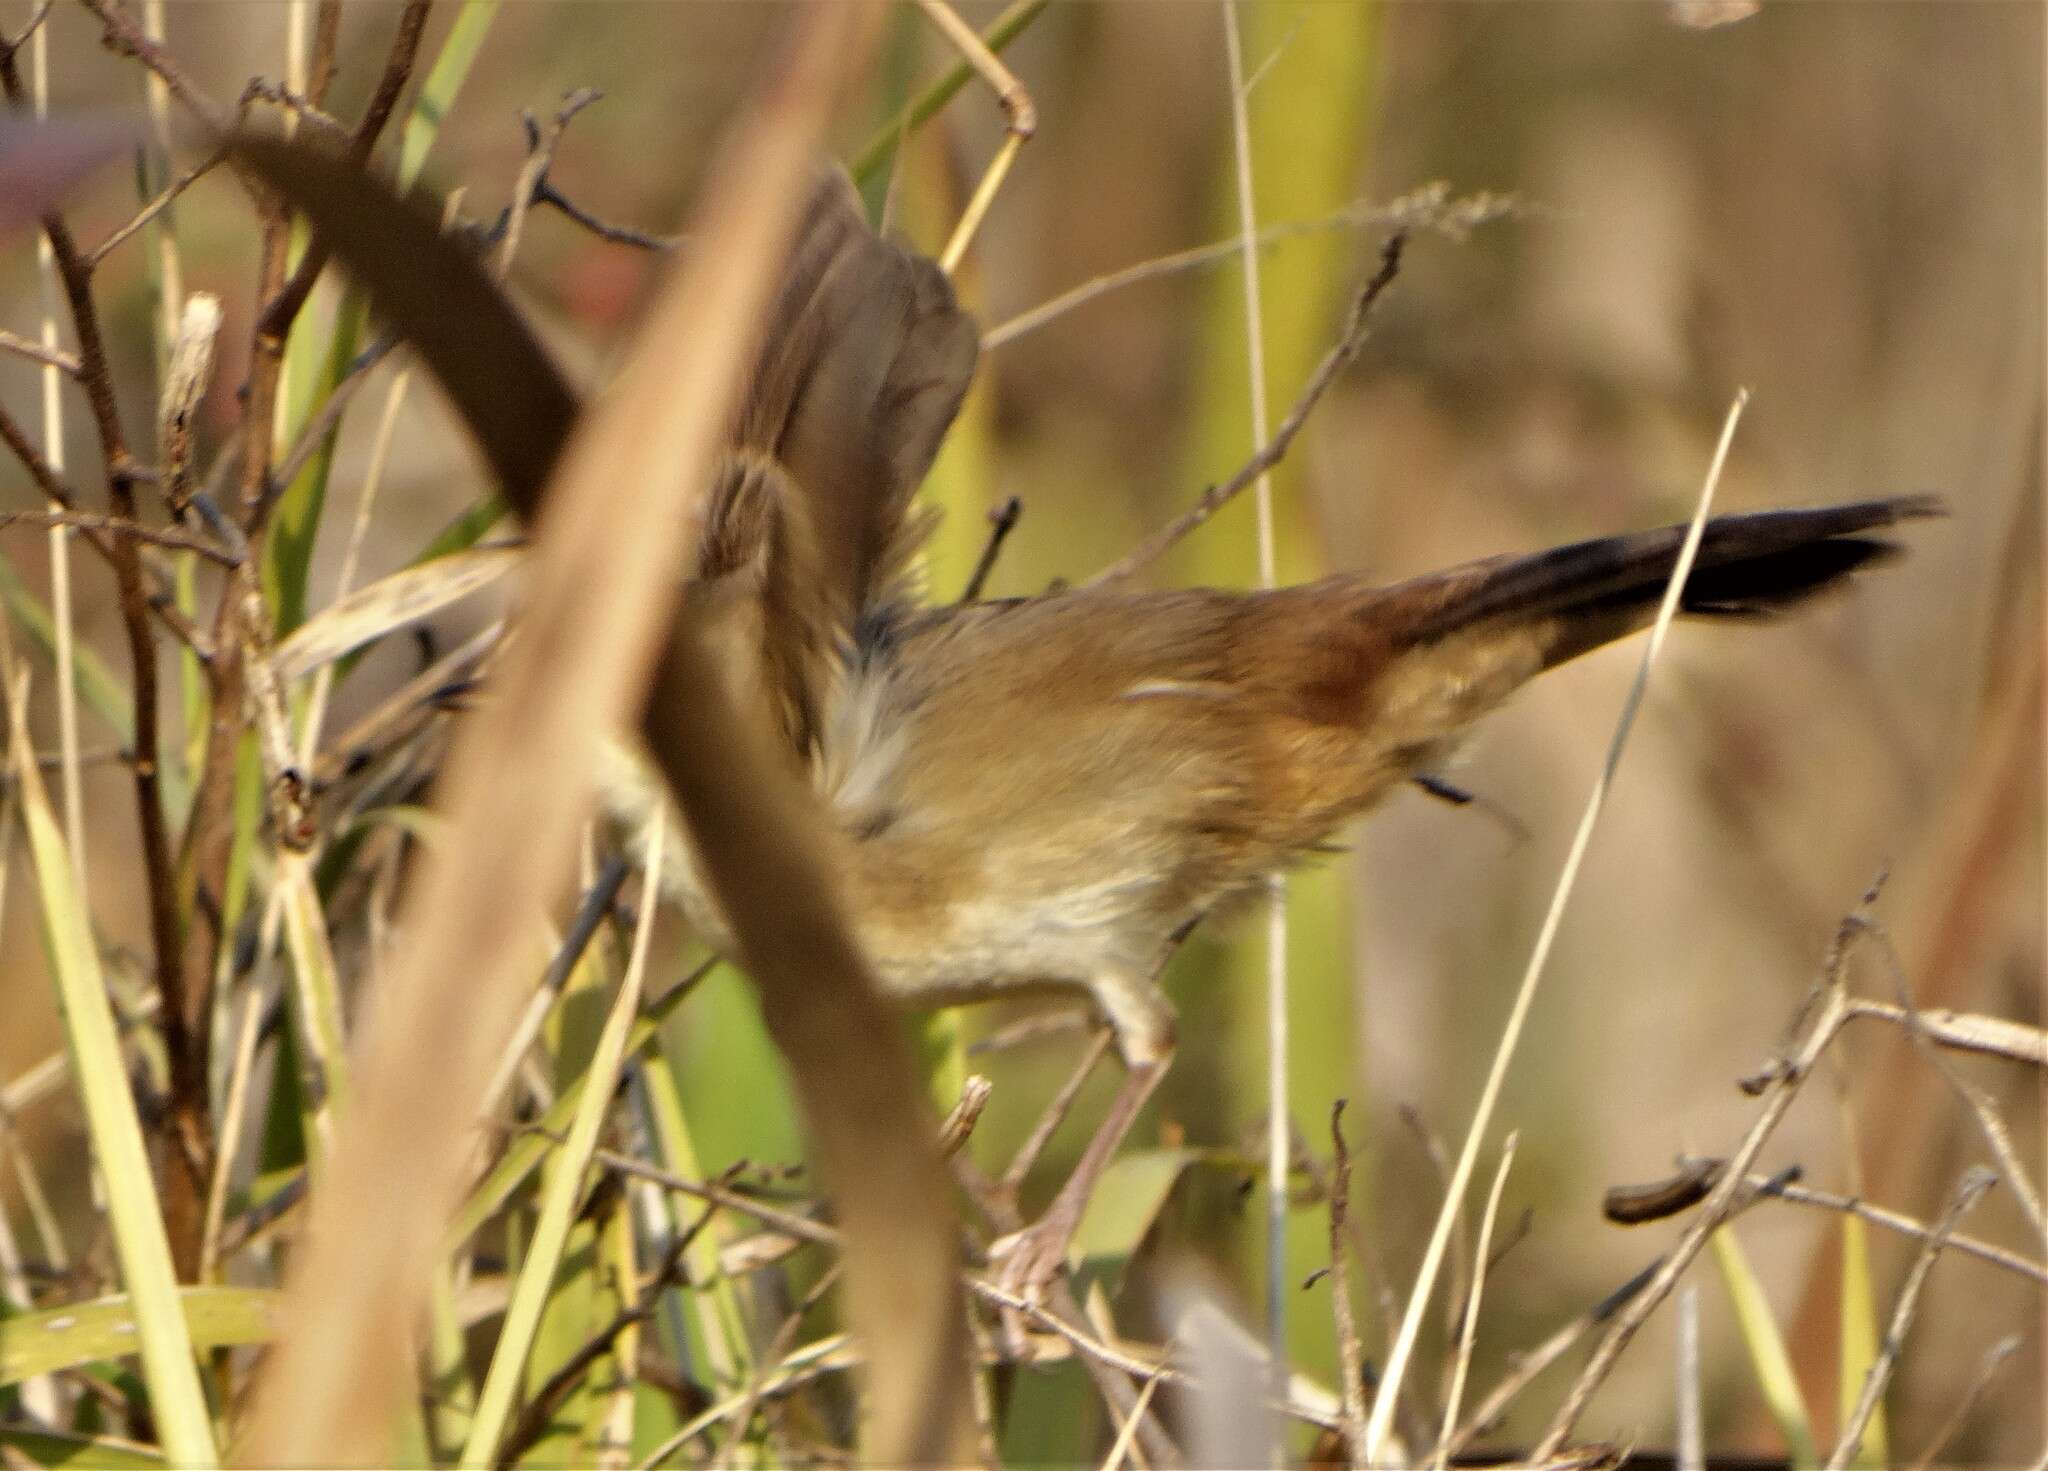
point(1963, 1031)
point(1530, 1365)
point(1975, 1182)
point(121, 35)
point(1350, 1351)
point(163, 536)
point(778, 1347)
point(1020, 117)
point(156, 206)
point(541, 145)
point(1002, 520)
point(1780, 1188)
point(1127, 1432)
point(1987, 1370)
point(1719, 1206)
point(1468, 1331)
point(1356, 328)
point(36, 352)
point(1983, 1112)
point(542, 1403)
point(1429, 208)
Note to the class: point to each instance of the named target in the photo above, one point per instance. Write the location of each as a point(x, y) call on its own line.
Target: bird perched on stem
point(1050, 792)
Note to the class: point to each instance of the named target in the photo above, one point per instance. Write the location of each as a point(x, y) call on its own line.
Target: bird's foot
point(1027, 1263)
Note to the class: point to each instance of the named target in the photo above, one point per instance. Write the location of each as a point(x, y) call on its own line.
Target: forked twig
point(1975, 1182)
point(1356, 329)
point(1783, 1087)
point(1018, 112)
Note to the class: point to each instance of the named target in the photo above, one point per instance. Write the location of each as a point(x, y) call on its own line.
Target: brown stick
point(284, 307)
point(185, 1044)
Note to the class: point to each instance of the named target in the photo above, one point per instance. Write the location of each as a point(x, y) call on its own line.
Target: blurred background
point(1838, 206)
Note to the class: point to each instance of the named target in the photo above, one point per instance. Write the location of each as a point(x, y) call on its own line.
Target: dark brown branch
point(546, 193)
point(53, 485)
point(1002, 520)
point(185, 1034)
point(163, 536)
point(283, 308)
point(120, 35)
point(1356, 328)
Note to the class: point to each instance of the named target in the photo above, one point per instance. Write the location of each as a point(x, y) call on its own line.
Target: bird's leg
point(1143, 1022)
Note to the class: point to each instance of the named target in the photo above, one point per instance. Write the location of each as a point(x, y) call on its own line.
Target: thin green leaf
point(83, 1333)
point(57, 1448)
point(1766, 1348)
point(444, 80)
point(1859, 1341)
point(561, 1194)
point(317, 994)
point(1126, 1205)
point(176, 1400)
point(104, 694)
point(528, 1148)
point(717, 1330)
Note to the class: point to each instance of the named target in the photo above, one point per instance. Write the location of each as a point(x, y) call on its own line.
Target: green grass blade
point(104, 694)
point(317, 368)
point(451, 1392)
point(524, 1154)
point(177, 1402)
point(1859, 1341)
point(576, 1304)
point(83, 1333)
point(560, 1197)
point(317, 993)
point(1766, 1348)
point(718, 1337)
point(56, 1448)
point(444, 80)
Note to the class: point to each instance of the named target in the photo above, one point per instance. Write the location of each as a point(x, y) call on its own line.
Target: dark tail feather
point(1749, 566)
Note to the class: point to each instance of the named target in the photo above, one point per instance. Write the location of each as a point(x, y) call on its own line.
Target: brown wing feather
point(865, 358)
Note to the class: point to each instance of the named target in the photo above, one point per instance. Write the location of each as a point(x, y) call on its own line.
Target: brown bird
point(1052, 791)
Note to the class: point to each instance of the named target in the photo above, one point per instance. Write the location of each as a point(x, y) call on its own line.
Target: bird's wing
point(864, 360)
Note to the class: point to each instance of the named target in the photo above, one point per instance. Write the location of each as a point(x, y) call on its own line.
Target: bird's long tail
point(1589, 593)
point(1456, 643)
